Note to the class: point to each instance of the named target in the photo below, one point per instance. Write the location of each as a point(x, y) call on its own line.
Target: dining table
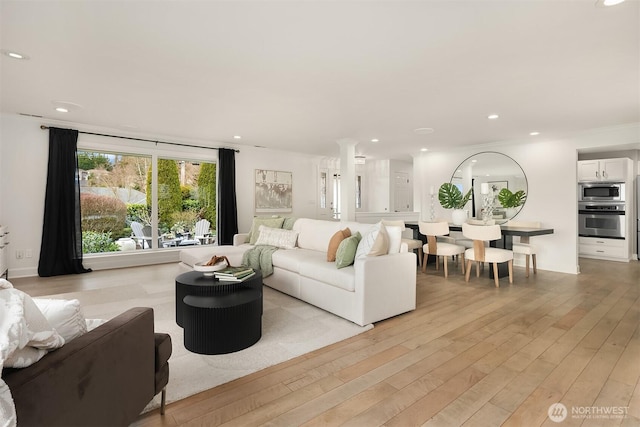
point(508, 232)
point(506, 242)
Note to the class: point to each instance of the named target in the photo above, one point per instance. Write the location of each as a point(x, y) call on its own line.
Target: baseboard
point(112, 260)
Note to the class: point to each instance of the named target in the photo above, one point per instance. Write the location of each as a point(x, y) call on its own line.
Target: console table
point(218, 317)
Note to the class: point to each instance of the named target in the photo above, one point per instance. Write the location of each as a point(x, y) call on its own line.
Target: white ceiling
point(300, 75)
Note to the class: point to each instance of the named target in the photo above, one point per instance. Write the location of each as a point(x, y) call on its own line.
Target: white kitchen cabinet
point(601, 248)
point(602, 170)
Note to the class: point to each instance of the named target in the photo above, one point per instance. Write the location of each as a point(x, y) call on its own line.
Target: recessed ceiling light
point(66, 106)
point(374, 140)
point(237, 137)
point(607, 3)
point(15, 55)
point(534, 133)
point(423, 131)
point(492, 116)
point(424, 149)
point(474, 161)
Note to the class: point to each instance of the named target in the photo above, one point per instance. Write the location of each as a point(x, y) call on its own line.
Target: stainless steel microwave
point(601, 192)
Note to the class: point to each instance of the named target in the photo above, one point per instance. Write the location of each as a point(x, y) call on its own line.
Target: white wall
point(550, 166)
point(377, 189)
point(23, 174)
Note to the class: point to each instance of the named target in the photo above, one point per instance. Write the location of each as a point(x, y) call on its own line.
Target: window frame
point(110, 145)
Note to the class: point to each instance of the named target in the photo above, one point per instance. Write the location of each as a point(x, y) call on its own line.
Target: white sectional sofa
point(372, 289)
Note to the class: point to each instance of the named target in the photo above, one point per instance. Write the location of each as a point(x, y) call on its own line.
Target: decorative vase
point(511, 212)
point(458, 216)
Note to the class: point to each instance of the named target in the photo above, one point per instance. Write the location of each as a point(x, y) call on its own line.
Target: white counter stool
point(440, 249)
point(480, 253)
point(523, 246)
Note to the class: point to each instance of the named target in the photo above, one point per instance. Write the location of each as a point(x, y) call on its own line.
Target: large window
point(118, 204)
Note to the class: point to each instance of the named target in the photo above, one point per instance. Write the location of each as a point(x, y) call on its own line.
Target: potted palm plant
point(451, 197)
point(510, 201)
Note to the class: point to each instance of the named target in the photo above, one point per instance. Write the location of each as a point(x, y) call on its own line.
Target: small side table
point(218, 317)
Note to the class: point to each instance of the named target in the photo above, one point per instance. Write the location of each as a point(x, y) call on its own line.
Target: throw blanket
point(25, 337)
point(259, 258)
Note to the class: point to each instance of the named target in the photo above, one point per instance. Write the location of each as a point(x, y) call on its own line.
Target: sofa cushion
point(277, 237)
point(290, 259)
point(315, 233)
point(322, 271)
point(338, 237)
point(375, 242)
point(347, 251)
point(266, 221)
point(65, 316)
point(163, 348)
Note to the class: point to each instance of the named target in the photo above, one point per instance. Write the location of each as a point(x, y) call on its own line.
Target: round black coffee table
point(218, 317)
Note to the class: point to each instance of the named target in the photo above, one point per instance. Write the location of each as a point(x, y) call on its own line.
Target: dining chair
point(412, 244)
point(523, 246)
point(468, 243)
point(440, 249)
point(481, 234)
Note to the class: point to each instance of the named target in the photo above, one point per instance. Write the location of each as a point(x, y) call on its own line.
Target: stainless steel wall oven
point(601, 220)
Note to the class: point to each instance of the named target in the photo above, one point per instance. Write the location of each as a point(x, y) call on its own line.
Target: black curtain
point(61, 246)
point(227, 208)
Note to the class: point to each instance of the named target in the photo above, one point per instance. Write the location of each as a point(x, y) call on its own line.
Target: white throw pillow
point(279, 237)
point(395, 238)
point(375, 242)
point(65, 316)
point(41, 335)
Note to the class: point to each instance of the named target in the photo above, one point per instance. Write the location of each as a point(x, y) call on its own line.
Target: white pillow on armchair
point(65, 316)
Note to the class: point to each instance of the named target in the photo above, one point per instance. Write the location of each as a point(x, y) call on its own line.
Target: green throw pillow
point(267, 222)
point(347, 250)
point(288, 222)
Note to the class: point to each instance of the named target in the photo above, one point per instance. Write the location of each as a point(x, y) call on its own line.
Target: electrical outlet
point(28, 253)
point(19, 254)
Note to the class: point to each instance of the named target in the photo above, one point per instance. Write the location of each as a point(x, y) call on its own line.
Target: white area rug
point(290, 328)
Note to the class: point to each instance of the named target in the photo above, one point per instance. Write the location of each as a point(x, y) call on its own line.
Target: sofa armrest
point(387, 284)
point(104, 377)
point(240, 238)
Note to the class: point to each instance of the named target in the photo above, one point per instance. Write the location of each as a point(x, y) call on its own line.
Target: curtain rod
point(43, 127)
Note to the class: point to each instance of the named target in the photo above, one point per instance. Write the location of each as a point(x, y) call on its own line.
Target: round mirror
point(487, 173)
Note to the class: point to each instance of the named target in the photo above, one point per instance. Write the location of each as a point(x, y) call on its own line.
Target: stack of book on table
point(234, 274)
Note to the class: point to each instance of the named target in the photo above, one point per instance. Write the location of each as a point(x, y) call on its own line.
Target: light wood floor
point(470, 354)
